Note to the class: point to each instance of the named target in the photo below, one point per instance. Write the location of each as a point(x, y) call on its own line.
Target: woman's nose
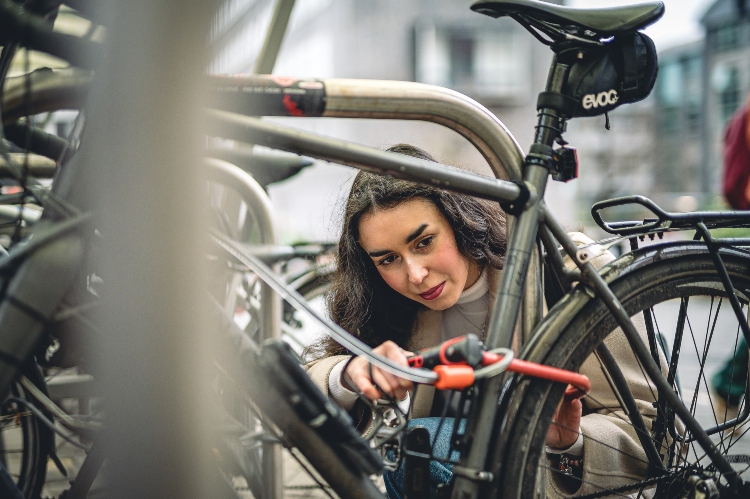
point(416, 271)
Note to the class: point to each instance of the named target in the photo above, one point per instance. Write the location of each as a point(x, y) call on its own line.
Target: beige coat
point(605, 428)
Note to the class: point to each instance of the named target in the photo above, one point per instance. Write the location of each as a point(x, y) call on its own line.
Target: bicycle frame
point(402, 100)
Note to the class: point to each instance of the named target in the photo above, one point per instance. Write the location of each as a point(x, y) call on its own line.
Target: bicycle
point(505, 456)
point(684, 270)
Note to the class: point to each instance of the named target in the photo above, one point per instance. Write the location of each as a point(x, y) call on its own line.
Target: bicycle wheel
point(296, 328)
point(270, 400)
point(679, 290)
point(25, 441)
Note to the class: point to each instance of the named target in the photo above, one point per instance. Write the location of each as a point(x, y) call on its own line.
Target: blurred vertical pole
point(274, 36)
point(143, 151)
point(272, 457)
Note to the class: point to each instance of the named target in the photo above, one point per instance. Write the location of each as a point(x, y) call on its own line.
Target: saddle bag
point(621, 71)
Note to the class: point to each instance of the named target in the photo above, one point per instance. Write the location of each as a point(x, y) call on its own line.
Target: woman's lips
point(433, 293)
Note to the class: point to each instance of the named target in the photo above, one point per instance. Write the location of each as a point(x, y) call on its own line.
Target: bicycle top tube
point(377, 99)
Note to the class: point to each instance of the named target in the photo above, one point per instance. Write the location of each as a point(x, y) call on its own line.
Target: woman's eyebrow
point(416, 233)
point(409, 239)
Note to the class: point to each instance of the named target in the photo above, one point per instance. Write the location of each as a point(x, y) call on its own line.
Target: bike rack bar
point(400, 100)
point(51, 90)
point(268, 95)
point(254, 196)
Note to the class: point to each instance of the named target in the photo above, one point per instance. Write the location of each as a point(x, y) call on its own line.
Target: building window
point(725, 80)
point(679, 93)
point(731, 96)
point(693, 84)
point(461, 60)
point(480, 62)
point(670, 94)
point(670, 84)
point(728, 37)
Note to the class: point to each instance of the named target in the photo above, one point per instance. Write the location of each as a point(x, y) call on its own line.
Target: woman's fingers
point(391, 384)
point(359, 373)
point(563, 432)
point(398, 385)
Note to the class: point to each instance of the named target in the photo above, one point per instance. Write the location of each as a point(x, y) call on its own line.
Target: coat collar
point(428, 333)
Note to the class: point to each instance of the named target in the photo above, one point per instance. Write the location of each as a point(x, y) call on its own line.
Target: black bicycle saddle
point(605, 22)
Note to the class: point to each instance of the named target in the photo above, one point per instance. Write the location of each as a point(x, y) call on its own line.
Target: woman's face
point(414, 249)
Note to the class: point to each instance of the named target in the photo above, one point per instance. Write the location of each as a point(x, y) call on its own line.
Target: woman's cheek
point(395, 282)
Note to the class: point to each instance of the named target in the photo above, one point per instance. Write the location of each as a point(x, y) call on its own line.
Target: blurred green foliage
point(719, 204)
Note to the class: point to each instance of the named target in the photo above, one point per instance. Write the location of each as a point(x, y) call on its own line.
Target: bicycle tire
point(30, 440)
point(281, 417)
point(652, 279)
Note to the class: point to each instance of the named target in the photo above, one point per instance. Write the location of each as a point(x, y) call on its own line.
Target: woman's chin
point(439, 303)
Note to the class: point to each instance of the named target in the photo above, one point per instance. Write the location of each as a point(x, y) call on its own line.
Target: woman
point(417, 266)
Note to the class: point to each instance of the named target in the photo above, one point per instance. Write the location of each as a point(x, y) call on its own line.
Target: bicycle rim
point(297, 329)
point(24, 442)
point(686, 287)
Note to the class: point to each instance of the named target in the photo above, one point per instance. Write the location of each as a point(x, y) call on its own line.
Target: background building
point(442, 42)
point(665, 147)
point(680, 173)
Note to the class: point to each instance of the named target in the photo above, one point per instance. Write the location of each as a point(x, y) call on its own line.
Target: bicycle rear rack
point(667, 221)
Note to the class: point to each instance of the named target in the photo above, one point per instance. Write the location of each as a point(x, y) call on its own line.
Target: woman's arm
point(612, 454)
point(320, 370)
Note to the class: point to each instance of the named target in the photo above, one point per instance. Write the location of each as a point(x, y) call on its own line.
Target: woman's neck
point(480, 288)
point(474, 272)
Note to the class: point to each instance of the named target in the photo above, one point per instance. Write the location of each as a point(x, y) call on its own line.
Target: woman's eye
point(425, 242)
point(387, 260)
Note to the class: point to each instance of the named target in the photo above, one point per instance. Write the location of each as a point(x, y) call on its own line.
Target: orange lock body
point(454, 377)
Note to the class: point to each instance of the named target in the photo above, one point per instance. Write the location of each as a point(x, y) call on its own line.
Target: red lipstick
point(433, 293)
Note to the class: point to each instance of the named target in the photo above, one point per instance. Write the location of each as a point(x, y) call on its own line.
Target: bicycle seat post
point(538, 165)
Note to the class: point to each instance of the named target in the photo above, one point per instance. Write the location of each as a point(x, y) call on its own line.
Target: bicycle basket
point(620, 72)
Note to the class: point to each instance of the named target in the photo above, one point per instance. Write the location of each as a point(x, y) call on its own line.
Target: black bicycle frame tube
point(239, 127)
point(724, 276)
point(620, 387)
point(592, 278)
point(508, 301)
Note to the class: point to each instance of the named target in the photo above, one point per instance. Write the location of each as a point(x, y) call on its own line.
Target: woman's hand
point(563, 432)
point(358, 373)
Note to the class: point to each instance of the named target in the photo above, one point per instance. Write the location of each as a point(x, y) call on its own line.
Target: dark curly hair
point(359, 300)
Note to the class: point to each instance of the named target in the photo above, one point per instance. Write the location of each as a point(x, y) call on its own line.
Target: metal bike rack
point(402, 100)
point(399, 100)
point(270, 318)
